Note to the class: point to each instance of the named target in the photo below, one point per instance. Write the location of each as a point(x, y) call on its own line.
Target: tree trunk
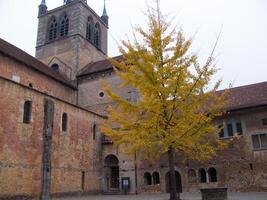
point(172, 179)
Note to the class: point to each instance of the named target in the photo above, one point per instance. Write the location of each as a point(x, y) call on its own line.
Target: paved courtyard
point(184, 196)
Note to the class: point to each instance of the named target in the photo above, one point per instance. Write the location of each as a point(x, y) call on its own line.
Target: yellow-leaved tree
point(176, 104)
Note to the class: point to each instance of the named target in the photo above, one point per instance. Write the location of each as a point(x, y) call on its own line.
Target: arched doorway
point(112, 175)
point(178, 180)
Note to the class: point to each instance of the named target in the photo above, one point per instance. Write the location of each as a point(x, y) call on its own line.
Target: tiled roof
point(247, 96)
point(21, 56)
point(99, 66)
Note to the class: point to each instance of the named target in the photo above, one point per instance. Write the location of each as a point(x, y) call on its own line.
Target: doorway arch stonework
point(111, 173)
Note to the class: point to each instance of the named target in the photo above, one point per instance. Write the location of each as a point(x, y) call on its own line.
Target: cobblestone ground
point(184, 196)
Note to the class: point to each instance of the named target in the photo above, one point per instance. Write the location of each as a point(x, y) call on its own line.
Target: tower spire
point(43, 2)
point(104, 10)
point(104, 16)
point(42, 8)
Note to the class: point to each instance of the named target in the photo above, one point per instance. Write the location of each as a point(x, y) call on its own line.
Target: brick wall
point(21, 145)
point(11, 69)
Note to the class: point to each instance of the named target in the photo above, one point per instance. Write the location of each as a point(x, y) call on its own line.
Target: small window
point(202, 175)
point(239, 128)
point(256, 141)
point(94, 131)
point(147, 179)
point(259, 141)
point(156, 179)
point(55, 67)
point(64, 122)
point(230, 130)
point(27, 112)
point(212, 174)
point(101, 94)
point(263, 139)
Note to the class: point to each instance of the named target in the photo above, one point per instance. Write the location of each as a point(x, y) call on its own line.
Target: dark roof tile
point(99, 66)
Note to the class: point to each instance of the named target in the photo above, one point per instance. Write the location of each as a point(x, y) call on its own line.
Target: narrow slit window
point(64, 122)
point(89, 29)
point(94, 131)
point(27, 112)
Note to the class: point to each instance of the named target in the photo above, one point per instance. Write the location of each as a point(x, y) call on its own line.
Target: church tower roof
point(104, 16)
point(43, 2)
point(104, 10)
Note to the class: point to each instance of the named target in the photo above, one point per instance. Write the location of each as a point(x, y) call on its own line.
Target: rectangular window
point(230, 130)
point(263, 139)
point(27, 112)
point(64, 122)
point(239, 129)
point(259, 141)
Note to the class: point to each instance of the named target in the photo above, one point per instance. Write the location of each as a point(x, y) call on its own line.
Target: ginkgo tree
point(176, 103)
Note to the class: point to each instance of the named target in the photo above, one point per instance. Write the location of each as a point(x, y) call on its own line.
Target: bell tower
point(71, 36)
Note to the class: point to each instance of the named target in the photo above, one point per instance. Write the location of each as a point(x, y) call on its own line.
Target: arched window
point(64, 25)
point(212, 174)
point(155, 177)
point(192, 176)
point(64, 122)
point(89, 29)
point(55, 67)
point(202, 175)
point(147, 179)
point(97, 36)
point(94, 131)
point(52, 29)
point(27, 112)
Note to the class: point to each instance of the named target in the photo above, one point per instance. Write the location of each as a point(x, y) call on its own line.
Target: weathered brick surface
point(21, 145)
point(10, 68)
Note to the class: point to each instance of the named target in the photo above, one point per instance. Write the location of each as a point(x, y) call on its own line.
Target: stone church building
point(52, 106)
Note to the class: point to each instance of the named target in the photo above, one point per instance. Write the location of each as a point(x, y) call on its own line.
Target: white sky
point(241, 54)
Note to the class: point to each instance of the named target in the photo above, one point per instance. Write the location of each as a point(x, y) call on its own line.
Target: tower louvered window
point(64, 26)
point(97, 33)
point(89, 29)
point(52, 32)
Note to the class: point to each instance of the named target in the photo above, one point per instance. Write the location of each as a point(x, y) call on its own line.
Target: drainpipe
point(135, 171)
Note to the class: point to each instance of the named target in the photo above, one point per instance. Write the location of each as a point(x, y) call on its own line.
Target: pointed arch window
point(97, 36)
point(64, 26)
point(89, 29)
point(52, 29)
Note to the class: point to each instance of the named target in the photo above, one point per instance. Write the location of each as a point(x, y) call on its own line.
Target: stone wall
point(73, 50)
point(90, 88)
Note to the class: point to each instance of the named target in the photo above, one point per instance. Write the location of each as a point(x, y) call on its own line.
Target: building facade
point(53, 105)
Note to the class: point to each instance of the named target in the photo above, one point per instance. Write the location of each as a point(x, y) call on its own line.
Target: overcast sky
point(241, 54)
